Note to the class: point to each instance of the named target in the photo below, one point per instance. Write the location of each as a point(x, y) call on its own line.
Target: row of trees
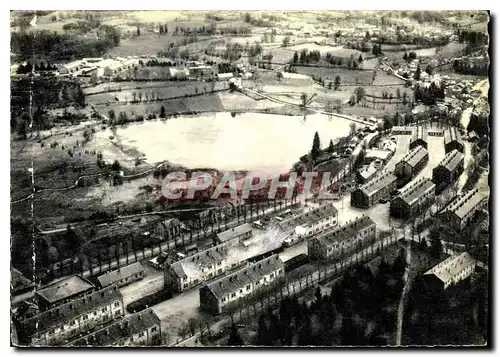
point(38, 67)
point(466, 67)
point(429, 95)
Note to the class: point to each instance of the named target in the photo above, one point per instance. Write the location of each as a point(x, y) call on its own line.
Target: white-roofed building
point(450, 271)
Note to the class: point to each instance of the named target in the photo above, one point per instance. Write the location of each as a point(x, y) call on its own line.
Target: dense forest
point(361, 309)
point(63, 47)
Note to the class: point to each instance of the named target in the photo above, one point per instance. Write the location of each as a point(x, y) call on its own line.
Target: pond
point(248, 141)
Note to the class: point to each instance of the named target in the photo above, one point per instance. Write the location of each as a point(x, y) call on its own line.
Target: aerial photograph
point(250, 178)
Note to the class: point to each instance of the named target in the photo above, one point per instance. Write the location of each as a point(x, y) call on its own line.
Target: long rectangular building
point(63, 323)
point(450, 271)
point(343, 240)
point(371, 192)
point(460, 212)
point(239, 232)
point(140, 329)
point(448, 170)
point(245, 282)
point(122, 276)
point(419, 137)
point(63, 291)
point(413, 199)
point(312, 221)
point(453, 140)
point(412, 163)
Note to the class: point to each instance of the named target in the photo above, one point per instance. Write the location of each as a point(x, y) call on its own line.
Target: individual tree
point(235, 338)
point(295, 57)
point(337, 82)
point(352, 128)
point(360, 59)
point(112, 115)
point(279, 75)
point(331, 148)
point(138, 31)
point(116, 166)
point(405, 57)
point(53, 254)
point(286, 41)
point(140, 96)
point(316, 147)
point(416, 76)
point(398, 93)
point(359, 93)
point(330, 85)
point(162, 112)
point(436, 243)
point(303, 99)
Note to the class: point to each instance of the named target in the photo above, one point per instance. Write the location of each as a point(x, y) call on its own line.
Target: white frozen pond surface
point(249, 141)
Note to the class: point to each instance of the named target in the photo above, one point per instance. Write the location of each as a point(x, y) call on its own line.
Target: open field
point(167, 90)
point(146, 44)
point(337, 51)
point(207, 103)
point(347, 76)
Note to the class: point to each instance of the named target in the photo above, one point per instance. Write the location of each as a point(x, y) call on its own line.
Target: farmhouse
point(122, 276)
point(343, 240)
point(62, 323)
point(202, 71)
point(448, 170)
point(413, 199)
point(452, 140)
point(245, 282)
point(312, 221)
point(419, 138)
point(370, 193)
point(411, 164)
point(450, 271)
point(141, 329)
point(63, 291)
point(461, 211)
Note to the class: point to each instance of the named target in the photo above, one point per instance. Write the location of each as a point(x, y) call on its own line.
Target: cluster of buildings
point(74, 312)
point(98, 67)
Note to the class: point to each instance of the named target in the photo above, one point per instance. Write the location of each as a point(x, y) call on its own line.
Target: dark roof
point(234, 232)
point(378, 183)
point(119, 274)
point(415, 156)
point(309, 217)
point(64, 289)
point(65, 313)
point(247, 275)
point(346, 231)
point(119, 330)
point(416, 190)
point(452, 160)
